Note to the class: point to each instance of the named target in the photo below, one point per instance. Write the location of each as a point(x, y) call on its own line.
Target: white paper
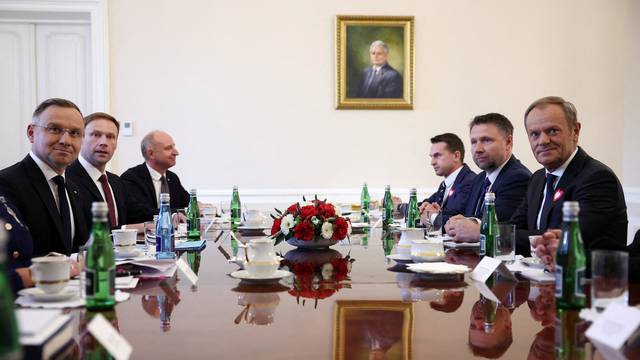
point(485, 291)
point(111, 339)
point(485, 268)
point(614, 326)
point(186, 270)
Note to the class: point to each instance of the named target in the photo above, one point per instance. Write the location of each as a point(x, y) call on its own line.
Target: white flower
point(327, 230)
point(286, 224)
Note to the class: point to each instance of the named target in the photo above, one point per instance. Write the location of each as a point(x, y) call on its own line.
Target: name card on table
point(614, 326)
point(487, 266)
point(485, 291)
point(186, 270)
point(110, 338)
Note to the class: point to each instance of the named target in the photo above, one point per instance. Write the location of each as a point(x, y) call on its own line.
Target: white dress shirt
point(155, 179)
point(95, 174)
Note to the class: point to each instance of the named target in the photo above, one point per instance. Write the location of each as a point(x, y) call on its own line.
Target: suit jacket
point(20, 246)
point(603, 212)
point(510, 188)
point(89, 192)
point(26, 187)
point(456, 202)
point(387, 84)
point(139, 188)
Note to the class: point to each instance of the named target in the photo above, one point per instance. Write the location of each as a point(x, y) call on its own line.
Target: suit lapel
point(456, 183)
point(74, 198)
point(118, 196)
point(570, 173)
point(148, 183)
point(537, 187)
point(87, 182)
point(44, 192)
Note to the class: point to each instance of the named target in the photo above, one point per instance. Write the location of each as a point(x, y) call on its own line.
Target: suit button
point(15, 254)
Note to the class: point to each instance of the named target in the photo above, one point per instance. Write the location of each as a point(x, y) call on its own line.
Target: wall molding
point(98, 11)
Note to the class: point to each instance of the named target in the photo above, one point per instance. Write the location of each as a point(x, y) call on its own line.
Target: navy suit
point(510, 188)
point(139, 186)
point(20, 245)
point(90, 193)
point(27, 188)
point(603, 212)
point(386, 84)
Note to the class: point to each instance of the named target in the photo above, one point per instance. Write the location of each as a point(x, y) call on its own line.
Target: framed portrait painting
point(372, 329)
point(374, 62)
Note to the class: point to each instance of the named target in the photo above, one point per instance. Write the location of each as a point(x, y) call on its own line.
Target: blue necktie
point(65, 215)
point(548, 200)
point(440, 193)
point(480, 202)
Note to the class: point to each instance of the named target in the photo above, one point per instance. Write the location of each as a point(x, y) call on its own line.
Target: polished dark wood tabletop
point(359, 307)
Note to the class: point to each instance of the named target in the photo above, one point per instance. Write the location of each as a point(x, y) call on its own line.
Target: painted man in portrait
point(380, 80)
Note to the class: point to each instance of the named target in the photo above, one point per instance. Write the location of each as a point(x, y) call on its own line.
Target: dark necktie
point(164, 185)
point(440, 193)
point(109, 199)
point(65, 215)
point(548, 200)
point(480, 201)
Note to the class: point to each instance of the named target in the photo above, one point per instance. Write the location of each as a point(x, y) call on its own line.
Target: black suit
point(603, 212)
point(139, 187)
point(27, 188)
point(89, 192)
point(510, 188)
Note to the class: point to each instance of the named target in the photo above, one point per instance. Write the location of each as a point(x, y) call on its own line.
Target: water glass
point(150, 237)
point(505, 243)
point(82, 258)
point(534, 257)
point(432, 222)
point(609, 278)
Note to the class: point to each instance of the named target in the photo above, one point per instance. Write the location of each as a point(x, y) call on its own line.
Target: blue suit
point(19, 246)
point(387, 84)
point(510, 188)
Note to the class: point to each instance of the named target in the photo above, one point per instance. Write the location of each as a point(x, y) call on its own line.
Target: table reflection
point(258, 303)
point(159, 301)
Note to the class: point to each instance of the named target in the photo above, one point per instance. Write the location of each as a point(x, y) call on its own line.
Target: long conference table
point(366, 308)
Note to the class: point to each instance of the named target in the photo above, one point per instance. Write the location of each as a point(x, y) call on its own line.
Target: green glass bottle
point(236, 208)
point(488, 227)
point(9, 336)
point(100, 267)
point(387, 207)
point(365, 200)
point(387, 242)
point(571, 261)
point(413, 213)
point(569, 335)
point(193, 259)
point(91, 348)
point(193, 217)
point(490, 311)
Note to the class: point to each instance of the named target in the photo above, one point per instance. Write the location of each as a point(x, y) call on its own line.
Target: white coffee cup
point(51, 273)
point(124, 240)
point(254, 218)
point(262, 258)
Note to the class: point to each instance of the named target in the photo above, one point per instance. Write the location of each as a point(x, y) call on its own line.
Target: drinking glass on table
point(505, 243)
point(432, 223)
point(609, 278)
point(534, 257)
point(82, 256)
point(150, 236)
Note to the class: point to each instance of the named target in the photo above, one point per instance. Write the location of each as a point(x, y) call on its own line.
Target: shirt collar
point(559, 171)
point(48, 172)
point(449, 180)
point(154, 174)
point(93, 172)
point(492, 176)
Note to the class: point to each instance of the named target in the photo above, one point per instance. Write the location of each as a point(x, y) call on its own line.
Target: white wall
point(247, 87)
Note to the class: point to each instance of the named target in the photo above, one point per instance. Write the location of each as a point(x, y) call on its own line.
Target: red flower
point(340, 268)
point(340, 229)
point(308, 211)
point(293, 208)
point(326, 210)
point(276, 226)
point(303, 231)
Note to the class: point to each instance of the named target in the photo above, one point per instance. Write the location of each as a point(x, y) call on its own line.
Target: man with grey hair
point(380, 80)
point(47, 199)
point(145, 182)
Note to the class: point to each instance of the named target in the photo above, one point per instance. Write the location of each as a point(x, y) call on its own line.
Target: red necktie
point(109, 198)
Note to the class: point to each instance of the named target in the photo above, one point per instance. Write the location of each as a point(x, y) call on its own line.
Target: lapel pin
point(557, 195)
point(450, 192)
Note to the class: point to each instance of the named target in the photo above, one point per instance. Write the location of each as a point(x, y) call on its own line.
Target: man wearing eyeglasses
point(37, 185)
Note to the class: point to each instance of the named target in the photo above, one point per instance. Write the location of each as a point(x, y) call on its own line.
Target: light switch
point(127, 128)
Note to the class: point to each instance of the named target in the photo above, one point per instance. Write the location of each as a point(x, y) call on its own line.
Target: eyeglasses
point(58, 131)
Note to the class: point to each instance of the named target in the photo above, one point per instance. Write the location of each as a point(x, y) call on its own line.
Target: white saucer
point(399, 258)
point(244, 275)
point(128, 255)
point(249, 227)
point(533, 262)
point(38, 295)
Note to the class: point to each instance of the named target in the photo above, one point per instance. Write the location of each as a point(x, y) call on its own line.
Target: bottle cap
point(490, 196)
point(413, 191)
point(387, 187)
point(99, 208)
point(164, 197)
point(235, 187)
point(571, 208)
point(194, 192)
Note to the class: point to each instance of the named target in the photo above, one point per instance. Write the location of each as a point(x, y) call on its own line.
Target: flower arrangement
point(310, 222)
point(317, 280)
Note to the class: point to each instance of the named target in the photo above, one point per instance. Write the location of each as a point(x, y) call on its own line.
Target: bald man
point(145, 182)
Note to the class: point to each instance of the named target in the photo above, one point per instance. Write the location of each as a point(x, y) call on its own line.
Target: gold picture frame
point(364, 81)
point(363, 327)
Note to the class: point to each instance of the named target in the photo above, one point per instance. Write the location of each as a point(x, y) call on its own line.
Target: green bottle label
point(579, 285)
point(559, 281)
point(89, 282)
point(483, 245)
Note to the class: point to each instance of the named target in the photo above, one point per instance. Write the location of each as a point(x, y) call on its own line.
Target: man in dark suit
point(145, 182)
point(37, 185)
point(568, 174)
point(88, 172)
point(380, 80)
point(447, 160)
point(491, 143)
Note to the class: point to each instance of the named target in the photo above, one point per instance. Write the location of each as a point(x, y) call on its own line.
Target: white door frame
point(98, 11)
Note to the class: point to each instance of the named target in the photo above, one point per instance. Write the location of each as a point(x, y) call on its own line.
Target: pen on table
point(128, 273)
